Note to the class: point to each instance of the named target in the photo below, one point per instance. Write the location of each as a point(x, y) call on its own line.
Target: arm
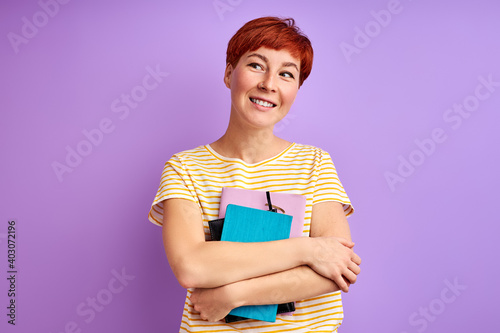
point(327, 219)
point(299, 283)
point(200, 264)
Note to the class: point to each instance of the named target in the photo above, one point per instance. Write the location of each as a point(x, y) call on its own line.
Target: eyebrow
point(264, 58)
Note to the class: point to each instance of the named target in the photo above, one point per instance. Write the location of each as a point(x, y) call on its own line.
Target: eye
point(256, 66)
point(287, 75)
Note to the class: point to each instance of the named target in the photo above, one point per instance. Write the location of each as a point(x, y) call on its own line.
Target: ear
point(227, 75)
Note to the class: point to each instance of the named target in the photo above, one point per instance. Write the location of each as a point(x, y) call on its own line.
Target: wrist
point(306, 251)
point(234, 294)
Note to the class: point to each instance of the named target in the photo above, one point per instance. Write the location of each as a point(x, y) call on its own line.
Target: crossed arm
point(226, 275)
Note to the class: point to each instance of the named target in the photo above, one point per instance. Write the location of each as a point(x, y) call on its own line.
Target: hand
point(334, 259)
point(213, 304)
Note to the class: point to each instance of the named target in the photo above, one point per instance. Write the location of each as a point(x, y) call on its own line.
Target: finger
point(347, 281)
point(354, 268)
point(350, 276)
point(194, 294)
point(345, 242)
point(356, 259)
point(342, 284)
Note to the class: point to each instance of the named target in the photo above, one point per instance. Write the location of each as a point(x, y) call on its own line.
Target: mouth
point(262, 102)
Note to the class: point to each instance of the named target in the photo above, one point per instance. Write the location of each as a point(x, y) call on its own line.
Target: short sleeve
point(328, 186)
point(175, 183)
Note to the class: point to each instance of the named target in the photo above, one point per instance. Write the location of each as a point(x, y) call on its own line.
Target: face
point(263, 86)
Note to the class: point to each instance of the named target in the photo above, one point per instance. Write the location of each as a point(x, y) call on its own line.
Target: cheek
point(239, 83)
point(289, 96)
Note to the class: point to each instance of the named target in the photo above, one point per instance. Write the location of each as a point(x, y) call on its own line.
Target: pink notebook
point(286, 203)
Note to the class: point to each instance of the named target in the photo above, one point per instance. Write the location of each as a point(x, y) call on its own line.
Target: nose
point(268, 84)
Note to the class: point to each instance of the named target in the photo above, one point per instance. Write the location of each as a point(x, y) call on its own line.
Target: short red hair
point(274, 33)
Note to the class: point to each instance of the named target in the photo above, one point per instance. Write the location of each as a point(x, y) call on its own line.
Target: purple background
point(439, 226)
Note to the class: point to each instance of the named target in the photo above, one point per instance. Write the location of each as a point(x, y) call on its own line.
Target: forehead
point(276, 57)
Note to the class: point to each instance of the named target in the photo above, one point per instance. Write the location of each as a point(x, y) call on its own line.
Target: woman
point(268, 59)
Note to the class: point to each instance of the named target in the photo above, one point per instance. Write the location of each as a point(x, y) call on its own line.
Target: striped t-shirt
point(199, 175)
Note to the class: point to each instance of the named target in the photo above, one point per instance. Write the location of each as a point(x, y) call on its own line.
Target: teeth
point(263, 103)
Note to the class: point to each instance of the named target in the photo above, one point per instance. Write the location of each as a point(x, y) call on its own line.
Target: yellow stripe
point(203, 167)
point(155, 219)
point(316, 304)
point(218, 182)
point(227, 175)
point(205, 151)
point(334, 294)
point(316, 311)
point(250, 165)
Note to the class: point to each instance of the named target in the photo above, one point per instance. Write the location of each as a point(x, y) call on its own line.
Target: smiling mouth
point(262, 103)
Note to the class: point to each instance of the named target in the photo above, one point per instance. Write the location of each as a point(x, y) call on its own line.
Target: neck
point(249, 145)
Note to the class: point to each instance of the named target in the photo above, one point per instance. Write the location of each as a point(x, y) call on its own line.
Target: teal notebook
point(243, 224)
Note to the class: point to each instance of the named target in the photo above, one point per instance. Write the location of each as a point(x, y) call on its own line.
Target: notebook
point(292, 204)
point(244, 224)
point(288, 203)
